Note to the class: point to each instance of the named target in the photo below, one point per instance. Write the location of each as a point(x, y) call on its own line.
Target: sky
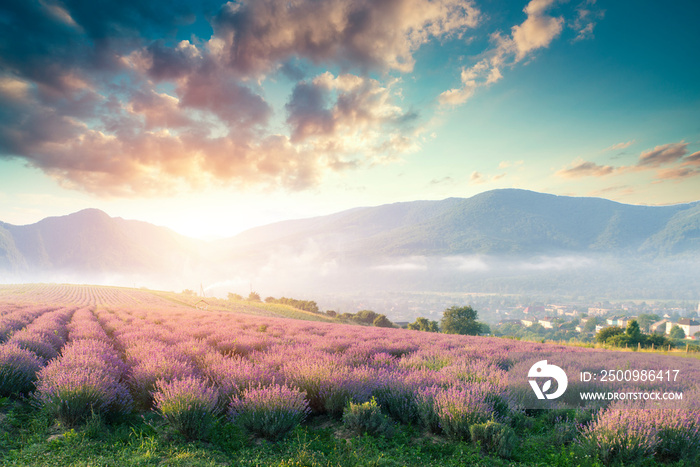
point(211, 117)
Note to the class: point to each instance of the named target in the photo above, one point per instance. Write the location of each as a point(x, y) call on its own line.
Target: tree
point(676, 332)
point(634, 333)
point(366, 316)
point(646, 319)
point(460, 320)
point(424, 324)
point(331, 313)
point(606, 333)
point(234, 296)
point(382, 321)
point(253, 297)
point(590, 324)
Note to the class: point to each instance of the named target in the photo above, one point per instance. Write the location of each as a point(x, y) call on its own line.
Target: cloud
point(536, 32)
point(668, 162)
point(442, 181)
point(586, 20)
point(259, 35)
point(617, 146)
point(104, 99)
point(349, 115)
point(476, 178)
point(585, 169)
point(664, 154)
point(692, 159)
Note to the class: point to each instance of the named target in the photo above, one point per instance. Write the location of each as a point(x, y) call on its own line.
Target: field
point(110, 376)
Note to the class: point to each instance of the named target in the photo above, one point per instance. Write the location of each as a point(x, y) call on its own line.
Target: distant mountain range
point(457, 243)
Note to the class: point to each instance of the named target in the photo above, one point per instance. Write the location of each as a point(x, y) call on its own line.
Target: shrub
point(679, 436)
point(619, 436)
point(425, 400)
point(74, 395)
point(367, 418)
point(18, 368)
point(494, 437)
point(270, 412)
point(458, 408)
point(188, 405)
point(398, 399)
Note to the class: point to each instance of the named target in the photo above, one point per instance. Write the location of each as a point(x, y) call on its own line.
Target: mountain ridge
point(508, 232)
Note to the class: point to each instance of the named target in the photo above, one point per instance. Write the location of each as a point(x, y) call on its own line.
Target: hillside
point(502, 240)
point(496, 222)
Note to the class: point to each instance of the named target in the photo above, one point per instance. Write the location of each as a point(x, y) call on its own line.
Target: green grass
point(29, 437)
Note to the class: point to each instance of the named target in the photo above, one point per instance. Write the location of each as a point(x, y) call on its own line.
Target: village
point(582, 323)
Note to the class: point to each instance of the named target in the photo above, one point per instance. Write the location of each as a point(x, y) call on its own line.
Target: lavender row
point(88, 377)
point(28, 350)
point(18, 317)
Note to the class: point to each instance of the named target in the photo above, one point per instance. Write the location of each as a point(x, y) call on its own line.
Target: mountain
point(496, 222)
point(90, 242)
point(502, 240)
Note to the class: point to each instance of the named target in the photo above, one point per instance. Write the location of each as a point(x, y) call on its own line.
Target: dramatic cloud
point(536, 32)
point(347, 115)
point(104, 98)
point(586, 169)
point(257, 36)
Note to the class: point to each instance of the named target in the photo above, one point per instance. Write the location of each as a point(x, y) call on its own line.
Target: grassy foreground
point(28, 437)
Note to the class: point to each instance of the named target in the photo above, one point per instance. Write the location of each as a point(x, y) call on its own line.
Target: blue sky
point(212, 117)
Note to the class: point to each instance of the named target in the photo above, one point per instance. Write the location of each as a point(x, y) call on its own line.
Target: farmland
point(111, 376)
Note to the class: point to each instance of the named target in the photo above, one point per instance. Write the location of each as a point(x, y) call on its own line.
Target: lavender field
point(80, 351)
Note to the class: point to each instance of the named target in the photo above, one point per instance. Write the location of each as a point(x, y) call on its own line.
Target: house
point(658, 327)
point(613, 321)
point(201, 305)
point(599, 327)
point(623, 322)
point(527, 322)
point(689, 326)
point(546, 322)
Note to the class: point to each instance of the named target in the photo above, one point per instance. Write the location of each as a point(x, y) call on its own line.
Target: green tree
point(646, 319)
point(254, 297)
point(590, 324)
point(234, 296)
point(606, 333)
point(634, 333)
point(676, 332)
point(460, 320)
point(424, 324)
point(366, 316)
point(331, 313)
point(382, 321)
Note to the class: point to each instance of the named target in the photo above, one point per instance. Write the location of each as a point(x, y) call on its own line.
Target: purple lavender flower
point(270, 412)
point(188, 405)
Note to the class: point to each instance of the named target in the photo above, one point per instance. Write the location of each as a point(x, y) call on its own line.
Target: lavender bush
point(367, 418)
point(188, 405)
point(270, 412)
point(18, 369)
point(494, 437)
point(73, 395)
point(457, 408)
